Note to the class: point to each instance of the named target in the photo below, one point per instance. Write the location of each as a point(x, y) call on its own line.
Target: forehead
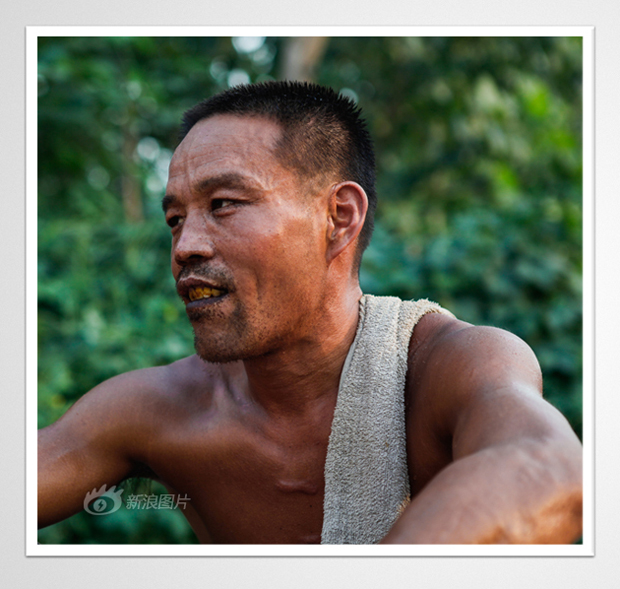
point(226, 143)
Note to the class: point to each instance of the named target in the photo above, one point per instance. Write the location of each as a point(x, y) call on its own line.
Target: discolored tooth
point(198, 292)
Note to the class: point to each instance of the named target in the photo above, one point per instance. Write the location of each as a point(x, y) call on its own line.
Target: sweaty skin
point(265, 271)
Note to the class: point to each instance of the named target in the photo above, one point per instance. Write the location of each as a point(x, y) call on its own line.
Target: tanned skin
point(243, 429)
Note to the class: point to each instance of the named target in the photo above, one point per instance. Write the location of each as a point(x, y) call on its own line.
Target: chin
point(221, 342)
point(222, 350)
point(216, 354)
point(233, 348)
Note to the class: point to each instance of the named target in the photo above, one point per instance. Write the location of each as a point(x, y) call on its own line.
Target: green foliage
point(479, 181)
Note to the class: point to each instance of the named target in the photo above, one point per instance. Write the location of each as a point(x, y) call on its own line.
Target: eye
point(221, 203)
point(174, 221)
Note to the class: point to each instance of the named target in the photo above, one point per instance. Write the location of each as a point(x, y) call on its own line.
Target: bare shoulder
point(110, 432)
point(463, 384)
point(124, 411)
point(453, 360)
point(142, 387)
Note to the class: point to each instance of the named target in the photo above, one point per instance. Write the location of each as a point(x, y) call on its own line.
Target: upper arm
point(98, 441)
point(477, 388)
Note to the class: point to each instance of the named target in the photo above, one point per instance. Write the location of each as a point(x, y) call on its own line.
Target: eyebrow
point(206, 185)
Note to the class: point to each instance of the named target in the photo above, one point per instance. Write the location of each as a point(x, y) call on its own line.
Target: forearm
point(528, 493)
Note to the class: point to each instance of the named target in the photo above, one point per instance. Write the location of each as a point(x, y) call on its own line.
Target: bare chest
point(246, 487)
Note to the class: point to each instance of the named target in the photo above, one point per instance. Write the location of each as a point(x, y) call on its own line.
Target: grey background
point(19, 571)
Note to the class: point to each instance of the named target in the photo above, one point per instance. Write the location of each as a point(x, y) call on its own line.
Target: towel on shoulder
point(366, 477)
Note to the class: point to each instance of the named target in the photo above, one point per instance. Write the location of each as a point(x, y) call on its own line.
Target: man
point(311, 413)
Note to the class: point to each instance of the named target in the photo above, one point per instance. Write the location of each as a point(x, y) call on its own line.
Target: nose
point(193, 243)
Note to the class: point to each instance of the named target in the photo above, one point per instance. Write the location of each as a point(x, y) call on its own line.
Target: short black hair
point(323, 133)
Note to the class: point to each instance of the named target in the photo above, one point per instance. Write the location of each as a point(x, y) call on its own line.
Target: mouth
point(198, 293)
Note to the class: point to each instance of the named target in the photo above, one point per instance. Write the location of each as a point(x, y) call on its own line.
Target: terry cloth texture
point(366, 476)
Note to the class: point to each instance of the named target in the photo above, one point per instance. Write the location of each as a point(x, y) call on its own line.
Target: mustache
point(218, 276)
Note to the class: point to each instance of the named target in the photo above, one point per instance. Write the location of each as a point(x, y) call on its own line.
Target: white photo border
point(35, 549)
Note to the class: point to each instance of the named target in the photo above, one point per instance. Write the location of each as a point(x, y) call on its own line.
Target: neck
point(303, 377)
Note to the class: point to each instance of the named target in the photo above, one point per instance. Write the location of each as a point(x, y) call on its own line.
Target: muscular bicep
point(91, 445)
point(477, 388)
point(491, 393)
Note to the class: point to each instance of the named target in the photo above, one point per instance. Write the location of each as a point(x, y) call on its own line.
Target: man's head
point(323, 136)
point(259, 259)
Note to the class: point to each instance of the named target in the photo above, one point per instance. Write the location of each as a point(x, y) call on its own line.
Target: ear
point(347, 204)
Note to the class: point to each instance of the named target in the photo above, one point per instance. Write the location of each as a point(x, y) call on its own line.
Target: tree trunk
point(130, 184)
point(300, 56)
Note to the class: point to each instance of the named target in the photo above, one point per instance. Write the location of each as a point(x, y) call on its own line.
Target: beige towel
point(366, 477)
